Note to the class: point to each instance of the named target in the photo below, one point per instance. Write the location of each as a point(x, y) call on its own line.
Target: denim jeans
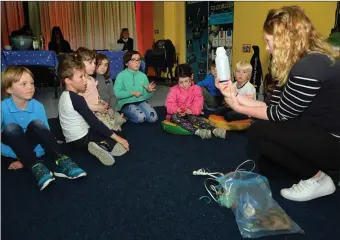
point(24, 143)
point(140, 112)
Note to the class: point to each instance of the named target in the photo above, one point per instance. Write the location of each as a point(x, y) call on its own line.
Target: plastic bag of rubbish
point(249, 196)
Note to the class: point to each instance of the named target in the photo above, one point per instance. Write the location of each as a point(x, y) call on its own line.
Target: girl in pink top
point(184, 104)
point(103, 112)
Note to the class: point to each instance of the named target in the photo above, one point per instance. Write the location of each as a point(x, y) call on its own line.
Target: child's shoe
point(43, 176)
point(118, 150)
point(100, 151)
point(203, 133)
point(66, 168)
point(220, 133)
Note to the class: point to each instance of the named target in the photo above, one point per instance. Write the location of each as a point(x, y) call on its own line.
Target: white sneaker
point(309, 189)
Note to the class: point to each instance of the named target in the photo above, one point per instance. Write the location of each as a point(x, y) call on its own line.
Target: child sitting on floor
point(212, 96)
point(132, 89)
point(112, 119)
point(80, 126)
point(184, 104)
point(25, 135)
point(242, 75)
point(108, 116)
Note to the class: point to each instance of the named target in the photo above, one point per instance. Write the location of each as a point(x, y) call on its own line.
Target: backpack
point(162, 56)
point(256, 75)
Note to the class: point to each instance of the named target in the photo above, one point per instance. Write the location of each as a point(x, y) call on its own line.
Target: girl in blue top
point(25, 134)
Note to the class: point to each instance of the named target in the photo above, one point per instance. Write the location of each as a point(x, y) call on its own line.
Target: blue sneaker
point(66, 168)
point(42, 175)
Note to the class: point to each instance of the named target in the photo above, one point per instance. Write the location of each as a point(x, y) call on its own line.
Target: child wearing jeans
point(242, 75)
point(132, 89)
point(184, 104)
point(25, 135)
point(80, 126)
point(212, 96)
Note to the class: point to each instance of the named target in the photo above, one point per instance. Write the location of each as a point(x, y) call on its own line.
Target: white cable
point(202, 172)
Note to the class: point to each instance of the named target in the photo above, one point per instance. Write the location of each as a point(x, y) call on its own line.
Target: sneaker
point(309, 189)
point(66, 168)
point(43, 176)
point(118, 150)
point(101, 152)
point(220, 133)
point(203, 133)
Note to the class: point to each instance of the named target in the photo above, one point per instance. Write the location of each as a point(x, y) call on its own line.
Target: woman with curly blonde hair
point(303, 131)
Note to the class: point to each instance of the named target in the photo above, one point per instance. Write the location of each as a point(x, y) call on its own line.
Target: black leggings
point(188, 122)
point(294, 145)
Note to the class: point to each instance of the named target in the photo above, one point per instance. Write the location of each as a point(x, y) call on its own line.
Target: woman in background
point(126, 40)
point(58, 43)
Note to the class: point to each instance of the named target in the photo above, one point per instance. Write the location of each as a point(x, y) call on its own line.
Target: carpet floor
point(149, 193)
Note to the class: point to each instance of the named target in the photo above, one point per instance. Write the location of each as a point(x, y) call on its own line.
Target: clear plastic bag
point(249, 196)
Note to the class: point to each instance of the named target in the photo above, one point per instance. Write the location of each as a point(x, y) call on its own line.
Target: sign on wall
point(208, 25)
point(197, 38)
point(221, 23)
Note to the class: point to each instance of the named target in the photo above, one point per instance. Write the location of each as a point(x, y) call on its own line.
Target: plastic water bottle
point(222, 65)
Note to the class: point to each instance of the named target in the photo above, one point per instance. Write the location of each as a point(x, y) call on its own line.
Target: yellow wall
point(248, 21)
point(158, 19)
point(250, 16)
point(171, 24)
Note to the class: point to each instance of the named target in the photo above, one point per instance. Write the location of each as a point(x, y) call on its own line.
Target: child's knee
point(153, 117)
point(175, 118)
point(12, 128)
point(140, 117)
point(37, 124)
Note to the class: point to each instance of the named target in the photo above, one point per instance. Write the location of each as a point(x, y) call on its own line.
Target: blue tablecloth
point(49, 59)
point(37, 58)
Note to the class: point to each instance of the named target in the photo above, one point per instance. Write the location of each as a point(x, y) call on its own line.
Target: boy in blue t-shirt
point(25, 134)
point(212, 96)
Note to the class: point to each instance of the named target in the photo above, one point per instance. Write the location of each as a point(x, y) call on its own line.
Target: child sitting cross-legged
point(80, 126)
point(101, 108)
point(132, 90)
point(184, 104)
point(25, 134)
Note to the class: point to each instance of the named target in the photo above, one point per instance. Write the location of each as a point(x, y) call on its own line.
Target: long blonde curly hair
point(294, 36)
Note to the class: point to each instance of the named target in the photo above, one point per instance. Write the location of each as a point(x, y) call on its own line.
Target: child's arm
point(42, 115)
point(171, 102)
point(98, 107)
point(119, 88)
point(145, 92)
point(205, 82)
point(197, 104)
point(80, 105)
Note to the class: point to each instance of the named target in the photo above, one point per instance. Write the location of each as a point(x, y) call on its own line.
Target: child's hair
point(68, 65)
point(85, 54)
point(244, 65)
point(123, 31)
point(128, 55)
point(212, 64)
point(12, 74)
point(99, 58)
point(182, 71)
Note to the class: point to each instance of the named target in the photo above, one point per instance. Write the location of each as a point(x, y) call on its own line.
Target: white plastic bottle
point(222, 65)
